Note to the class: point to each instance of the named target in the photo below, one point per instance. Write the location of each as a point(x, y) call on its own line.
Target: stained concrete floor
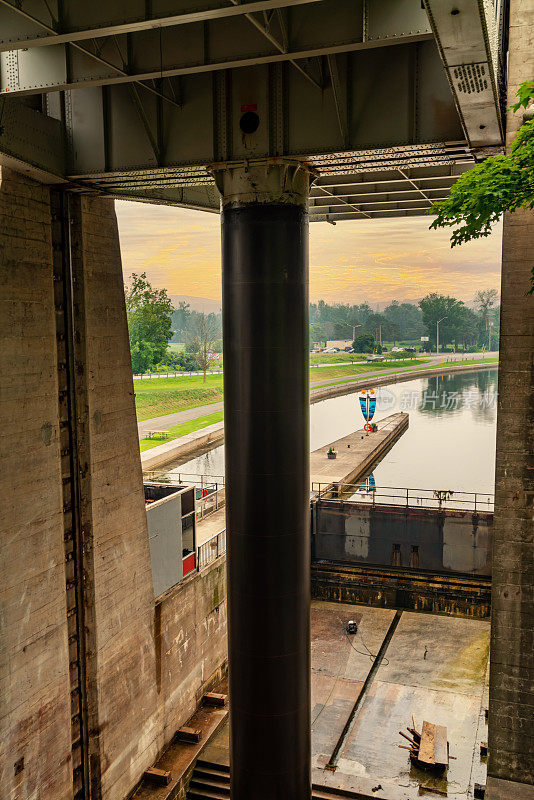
point(435, 667)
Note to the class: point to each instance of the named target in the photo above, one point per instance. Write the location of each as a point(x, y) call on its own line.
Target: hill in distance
point(202, 304)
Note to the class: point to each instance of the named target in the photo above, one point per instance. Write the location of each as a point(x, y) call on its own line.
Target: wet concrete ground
point(435, 667)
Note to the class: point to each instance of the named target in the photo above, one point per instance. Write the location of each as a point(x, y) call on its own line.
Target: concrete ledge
point(499, 789)
point(338, 389)
point(188, 445)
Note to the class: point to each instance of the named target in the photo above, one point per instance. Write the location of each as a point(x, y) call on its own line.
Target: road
point(169, 420)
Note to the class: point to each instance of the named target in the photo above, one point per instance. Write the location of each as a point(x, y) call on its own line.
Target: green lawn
point(414, 362)
point(176, 347)
point(182, 430)
point(334, 358)
point(368, 366)
point(159, 396)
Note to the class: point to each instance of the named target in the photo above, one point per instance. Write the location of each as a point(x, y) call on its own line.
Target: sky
point(373, 261)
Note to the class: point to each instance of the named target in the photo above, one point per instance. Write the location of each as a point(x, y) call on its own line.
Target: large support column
point(511, 717)
point(35, 702)
point(265, 315)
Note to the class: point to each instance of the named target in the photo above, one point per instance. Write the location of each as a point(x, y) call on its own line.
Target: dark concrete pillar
point(511, 712)
point(266, 386)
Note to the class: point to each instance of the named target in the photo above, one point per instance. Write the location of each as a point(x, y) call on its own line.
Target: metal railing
point(210, 503)
point(211, 550)
point(441, 499)
point(211, 482)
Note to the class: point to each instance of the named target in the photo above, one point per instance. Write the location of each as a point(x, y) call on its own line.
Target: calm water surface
point(450, 443)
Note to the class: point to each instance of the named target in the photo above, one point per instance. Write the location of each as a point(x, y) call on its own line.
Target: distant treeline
point(459, 324)
point(153, 322)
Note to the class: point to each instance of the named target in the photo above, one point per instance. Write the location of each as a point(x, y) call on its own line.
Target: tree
point(364, 343)
point(500, 183)
point(149, 322)
point(202, 339)
point(382, 328)
point(445, 310)
point(407, 317)
point(180, 320)
point(484, 301)
point(318, 333)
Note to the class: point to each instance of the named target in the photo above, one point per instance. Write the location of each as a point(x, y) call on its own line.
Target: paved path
point(169, 420)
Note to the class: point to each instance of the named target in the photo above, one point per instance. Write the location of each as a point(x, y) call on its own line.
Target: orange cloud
point(374, 260)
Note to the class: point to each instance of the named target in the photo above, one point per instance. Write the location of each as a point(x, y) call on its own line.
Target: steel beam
point(45, 35)
point(467, 38)
point(35, 74)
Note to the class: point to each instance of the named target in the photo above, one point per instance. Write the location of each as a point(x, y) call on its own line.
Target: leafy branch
point(500, 183)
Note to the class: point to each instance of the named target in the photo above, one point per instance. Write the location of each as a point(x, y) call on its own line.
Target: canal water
point(450, 443)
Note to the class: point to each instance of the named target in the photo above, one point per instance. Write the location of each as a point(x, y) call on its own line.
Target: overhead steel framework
point(388, 102)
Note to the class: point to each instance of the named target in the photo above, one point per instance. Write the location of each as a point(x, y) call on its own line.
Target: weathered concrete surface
point(190, 645)
point(151, 660)
point(118, 587)
point(147, 664)
point(409, 537)
point(34, 674)
point(356, 453)
point(511, 725)
point(447, 686)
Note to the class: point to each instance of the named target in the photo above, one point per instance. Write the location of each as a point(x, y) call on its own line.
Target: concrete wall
point(455, 541)
point(146, 662)
point(34, 675)
point(511, 720)
point(191, 644)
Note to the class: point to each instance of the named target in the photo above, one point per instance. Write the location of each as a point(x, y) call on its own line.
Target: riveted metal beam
point(37, 33)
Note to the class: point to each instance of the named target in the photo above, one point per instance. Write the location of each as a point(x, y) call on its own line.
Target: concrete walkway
point(170, 420)
point(356, 453)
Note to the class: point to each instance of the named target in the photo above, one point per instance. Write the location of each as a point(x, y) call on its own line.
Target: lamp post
point(437, 333)
point(489, 336)
point(437, 326)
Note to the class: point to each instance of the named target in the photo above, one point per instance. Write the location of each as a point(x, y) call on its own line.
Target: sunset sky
point(355, 261)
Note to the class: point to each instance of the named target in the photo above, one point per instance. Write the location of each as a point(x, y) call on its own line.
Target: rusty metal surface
point(395, 588)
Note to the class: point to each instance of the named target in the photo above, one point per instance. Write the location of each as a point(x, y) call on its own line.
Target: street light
point(437, 327)
point(489, 337)
point(359, 325)
point(437, 333)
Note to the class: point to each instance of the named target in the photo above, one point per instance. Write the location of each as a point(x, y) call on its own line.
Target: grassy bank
point(167, 395)
point(182, 430)
point(421, 366)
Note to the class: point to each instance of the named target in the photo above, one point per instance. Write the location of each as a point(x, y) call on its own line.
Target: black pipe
point(266, 400)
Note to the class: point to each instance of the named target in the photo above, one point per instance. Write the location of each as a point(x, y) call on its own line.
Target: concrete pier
point(511, 720)
point(357, 453)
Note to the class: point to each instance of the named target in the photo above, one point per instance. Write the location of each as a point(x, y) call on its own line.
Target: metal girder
point(466, 33)
point(30, 72)
point(383, 135)
point(110, 135)
point(356, 193)
point(99, 20)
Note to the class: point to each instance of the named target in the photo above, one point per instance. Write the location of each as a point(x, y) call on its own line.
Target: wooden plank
point(441, 754)
point(426, 748)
